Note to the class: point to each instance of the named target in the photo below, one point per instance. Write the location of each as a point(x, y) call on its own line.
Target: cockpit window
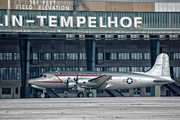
point(44, 75)
point(41, 75)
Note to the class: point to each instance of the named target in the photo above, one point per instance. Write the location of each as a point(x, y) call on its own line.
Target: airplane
point(159, 74)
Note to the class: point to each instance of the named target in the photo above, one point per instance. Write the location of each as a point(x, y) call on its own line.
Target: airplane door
point(137, 92)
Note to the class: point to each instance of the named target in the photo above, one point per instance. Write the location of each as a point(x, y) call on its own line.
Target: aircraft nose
point(31, 82)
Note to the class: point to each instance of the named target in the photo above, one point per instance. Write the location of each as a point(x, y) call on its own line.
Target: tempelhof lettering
point(68, 22)
point(42, 5)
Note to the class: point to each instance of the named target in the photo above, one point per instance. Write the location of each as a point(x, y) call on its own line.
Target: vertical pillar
point(93, 54)
point(28, 62)
point(131, 92)
point(155, 50)
point(90, 56)
point(25, 56)
point(142, 91)
point(90, 52)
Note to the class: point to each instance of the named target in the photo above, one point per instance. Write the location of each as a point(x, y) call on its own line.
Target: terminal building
point(38, 36)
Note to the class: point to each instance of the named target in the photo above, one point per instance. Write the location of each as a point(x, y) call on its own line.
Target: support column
point(155, 50)
point(90, 56)
point(142, 91)
point(25, 59)
point(90, 53)
point(28, 62)
point(131, 92)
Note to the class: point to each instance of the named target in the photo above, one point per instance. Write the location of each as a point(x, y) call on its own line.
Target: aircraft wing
point(100, 81)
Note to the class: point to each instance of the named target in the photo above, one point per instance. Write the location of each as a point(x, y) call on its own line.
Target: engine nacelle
point(80, 89)
point(71, 84)
point(82, 82)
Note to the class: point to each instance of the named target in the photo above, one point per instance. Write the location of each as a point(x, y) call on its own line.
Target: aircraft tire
point(80, 95)
point(42, 95)
point(90, 94)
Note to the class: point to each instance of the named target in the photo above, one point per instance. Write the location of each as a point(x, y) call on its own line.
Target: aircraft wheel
point(80, 95)
point(42, 95)
point(90, 94)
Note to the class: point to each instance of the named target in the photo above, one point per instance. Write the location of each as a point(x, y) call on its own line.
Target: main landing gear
point(80, 95)
point(89, 94)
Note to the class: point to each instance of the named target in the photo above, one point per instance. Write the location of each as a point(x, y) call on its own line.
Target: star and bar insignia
point(129, 80)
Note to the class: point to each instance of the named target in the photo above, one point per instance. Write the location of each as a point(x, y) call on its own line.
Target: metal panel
point(4, 4)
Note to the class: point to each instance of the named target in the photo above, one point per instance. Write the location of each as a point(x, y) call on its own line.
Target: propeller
point(67, 81)
point(76, 79)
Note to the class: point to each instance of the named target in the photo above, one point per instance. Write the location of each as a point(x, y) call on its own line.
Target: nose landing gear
point(43, 94)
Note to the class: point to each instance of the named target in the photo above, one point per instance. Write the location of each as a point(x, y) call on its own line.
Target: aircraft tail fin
point(161, 66)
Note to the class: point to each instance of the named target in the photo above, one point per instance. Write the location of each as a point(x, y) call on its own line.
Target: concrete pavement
point(165, 108)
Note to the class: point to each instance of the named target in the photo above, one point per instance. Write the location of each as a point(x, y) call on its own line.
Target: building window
point(72, 91)
point(112, 69)
point(99, 69)
point(72, 68)
point(100, 91)
point(128, 36)
point(146, 69)
point(146, 56)
point(16, 90)
point(123, 56)
point(100, 56)
point(124, 69)
point(167, 36)
point(45, 56)
point(102, 37)
point(82, 56)
point(136, 69)
point(59, 68)
point(17, 73)
point(176, 72)
point(136, 56)
point(124, 90)
point(16, 56)
point(46, 69)
point(5, 73)
point(59, 56)
point(34, 72)
point(83, 68)
point(110, 56)
point(148, 89)
point(6, 90)
point(5, 56)
point(72, 56)
point(174, 56)
point(59, 91)
point(115, 37)
point(34, 56)
point(141, 37)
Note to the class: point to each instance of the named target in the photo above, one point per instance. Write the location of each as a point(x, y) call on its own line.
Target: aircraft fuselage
point(117, 80)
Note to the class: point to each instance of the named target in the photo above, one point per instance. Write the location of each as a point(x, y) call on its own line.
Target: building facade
point(57, 43)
